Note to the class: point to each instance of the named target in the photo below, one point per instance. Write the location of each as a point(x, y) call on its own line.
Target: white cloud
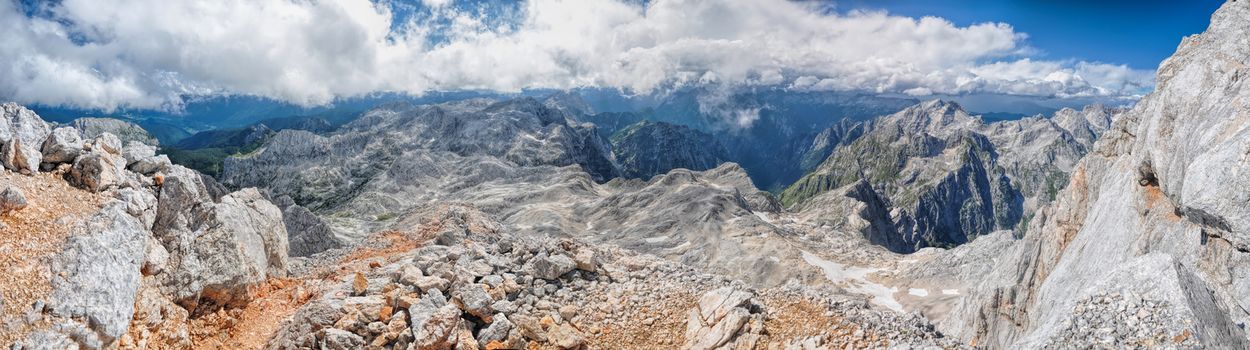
point(150, 53)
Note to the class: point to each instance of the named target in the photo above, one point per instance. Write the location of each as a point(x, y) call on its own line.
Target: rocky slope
point(1146, 247)
point(649, 148)
point(136, 225)
point(945, 175)
point(146, 254)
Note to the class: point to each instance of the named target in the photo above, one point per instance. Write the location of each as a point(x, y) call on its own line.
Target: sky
point(1138, 33)
point(157, 54)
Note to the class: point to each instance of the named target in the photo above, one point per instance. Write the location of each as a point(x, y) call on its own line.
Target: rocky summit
point(579, 221)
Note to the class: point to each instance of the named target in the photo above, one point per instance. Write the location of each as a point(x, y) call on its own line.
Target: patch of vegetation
point(208, 160)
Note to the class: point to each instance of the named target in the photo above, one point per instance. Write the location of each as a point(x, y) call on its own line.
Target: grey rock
point(151, 165)
point(98, 170)
point(308, 234)
point(63, 145)
point(135, 151)
point(99, 271)
point(434, 322)
point(239, 242)
point(22, 134)
point(551, 267)
point(11, 199)
point(651, 148)
point(125, 131)
point(338, 339)
point(496, 331)
point(473, 299)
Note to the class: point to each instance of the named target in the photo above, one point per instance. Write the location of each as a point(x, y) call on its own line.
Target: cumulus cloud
point(155, 53)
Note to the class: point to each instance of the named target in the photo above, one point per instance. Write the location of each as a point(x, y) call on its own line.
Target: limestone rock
point(338, 339)
point(11, 199)
point(22, 134)
point(100, 272)
point(551, 267)
point(434, 322)
point(98, 169)
point(125, 131)
point(63, 145)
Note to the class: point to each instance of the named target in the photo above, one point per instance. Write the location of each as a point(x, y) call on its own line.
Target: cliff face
point(946, 175)
point(1153, 222)
point(649, 148)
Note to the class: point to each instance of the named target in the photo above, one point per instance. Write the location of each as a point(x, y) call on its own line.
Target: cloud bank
point(155, 53)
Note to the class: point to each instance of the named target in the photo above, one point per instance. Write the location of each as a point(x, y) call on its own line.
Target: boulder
point(474, 300)
point(338, 339)
point(151, 165)
point(97, 275)
point(496, 331)
point(719, 319)
point(242, 243)
point(11, 199)
point(135, 151)
point(434, 322)
point(22, 134)
point(62, 146)
point(566, 337)
point(551, 267)
point(108, 143)
point(98, 170)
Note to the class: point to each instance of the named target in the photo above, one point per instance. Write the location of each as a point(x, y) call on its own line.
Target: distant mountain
point(776, 129)
point(648, 148)
point(949, 176)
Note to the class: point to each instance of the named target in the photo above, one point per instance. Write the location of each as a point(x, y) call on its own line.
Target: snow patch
point(920, 292)
point(950, 292)
point(855, 279)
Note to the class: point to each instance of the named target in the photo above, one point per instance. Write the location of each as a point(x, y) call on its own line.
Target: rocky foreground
point(114, 247)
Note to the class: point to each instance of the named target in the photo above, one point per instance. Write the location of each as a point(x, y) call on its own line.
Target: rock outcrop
point(90, 128)
point(1146, 246)
point(948, 177)
point(649, 148)
point(22, 134)
point(159, 237)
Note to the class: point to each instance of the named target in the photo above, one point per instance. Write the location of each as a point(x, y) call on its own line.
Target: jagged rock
point(299, 331)
point(108, 143)
point(1179, 242)
point(359, 284)
point(498, 330)
point(135, 151)
point(243, 241)
point(565, 336)
point(308, 233)
point(11, 199)
point(473, 299)
point(151, 165)
point(62, 146)
point(338, 339)
point(98, 273)
point(22, 134)
point(434, 322)
point(651, 148)
point(125, 131)
point(157, 258)
point(102, 167)
point(551, 267)
point(718, 319)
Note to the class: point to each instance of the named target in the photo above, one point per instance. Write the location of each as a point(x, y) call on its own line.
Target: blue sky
point(1138, 33)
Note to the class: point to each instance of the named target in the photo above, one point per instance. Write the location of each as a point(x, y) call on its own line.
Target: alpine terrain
point(667, 175)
